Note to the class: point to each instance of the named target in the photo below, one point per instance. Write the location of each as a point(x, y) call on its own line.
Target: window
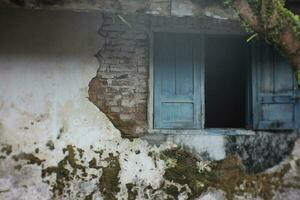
point(178, 71)
point(276, 102)
point(214, 81)
point(226, 65)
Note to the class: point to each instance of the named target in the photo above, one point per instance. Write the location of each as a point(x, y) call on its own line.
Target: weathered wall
point(47, 123)
point(153, 7)
point(55, 144)
point(46, 63)
point(179, 8)
point(121, 88)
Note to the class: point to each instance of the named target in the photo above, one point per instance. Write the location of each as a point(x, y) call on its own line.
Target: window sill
point(208, 131)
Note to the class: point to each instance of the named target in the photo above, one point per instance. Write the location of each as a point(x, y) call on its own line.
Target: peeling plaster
point(43, 104)
point(141, 164)
point(59, 106)
point(182, 8)
point(126, 121)
point(213, 194)
point(210, 14)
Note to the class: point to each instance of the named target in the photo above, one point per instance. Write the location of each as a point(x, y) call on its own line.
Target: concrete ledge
point(209, 131)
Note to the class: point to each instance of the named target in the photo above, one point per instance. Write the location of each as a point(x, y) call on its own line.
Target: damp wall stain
point(45, 80)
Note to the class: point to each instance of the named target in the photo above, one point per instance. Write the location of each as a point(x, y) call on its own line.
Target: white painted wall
point(46, 63)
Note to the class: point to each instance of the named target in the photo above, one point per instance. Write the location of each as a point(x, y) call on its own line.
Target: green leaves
point(252, 37)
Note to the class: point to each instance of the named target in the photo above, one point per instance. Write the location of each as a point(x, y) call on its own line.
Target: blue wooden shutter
point(177, 81)
point(276, 103)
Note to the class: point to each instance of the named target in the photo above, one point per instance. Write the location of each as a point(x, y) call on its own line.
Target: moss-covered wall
point(135, 170)
point(55, 144)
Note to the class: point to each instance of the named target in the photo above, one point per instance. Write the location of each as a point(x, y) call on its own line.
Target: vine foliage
point(277, 24)
point(273, 21)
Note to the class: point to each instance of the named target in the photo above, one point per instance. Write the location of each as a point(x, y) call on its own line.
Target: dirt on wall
point(184, 176)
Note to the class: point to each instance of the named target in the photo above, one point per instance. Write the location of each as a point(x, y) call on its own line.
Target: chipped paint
point(44, 90)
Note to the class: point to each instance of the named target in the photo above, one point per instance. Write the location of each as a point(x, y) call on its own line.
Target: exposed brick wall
point(120, 89)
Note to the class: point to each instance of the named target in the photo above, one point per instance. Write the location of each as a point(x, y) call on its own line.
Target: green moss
point(18, 167)
point(278, 19)
point(273, 19)
point(132, 194)
point(3, 191)
point(182, 174)
point(80, 151)
point(71, 159)
point(298, 77)
point(63, 175)
point(7, 149)
point(93, 164)
point(137, 152)
point(226, 175)
point(109, 180)
point(31, 159)
point(90, 196)
point(286, 14)
point(298, 162)
point(100, 152)
point(172, 190)
point(50, 145)
point(151, 153)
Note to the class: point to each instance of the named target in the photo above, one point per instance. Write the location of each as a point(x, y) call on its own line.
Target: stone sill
point(207, 131)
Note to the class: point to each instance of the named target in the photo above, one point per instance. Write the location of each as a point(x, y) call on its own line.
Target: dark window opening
point(226, 61)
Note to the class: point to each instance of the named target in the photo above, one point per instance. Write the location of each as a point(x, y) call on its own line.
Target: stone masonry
point(120, 87)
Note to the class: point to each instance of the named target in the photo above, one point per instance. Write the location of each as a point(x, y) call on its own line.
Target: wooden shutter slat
point(177, 80)
point(275, 102)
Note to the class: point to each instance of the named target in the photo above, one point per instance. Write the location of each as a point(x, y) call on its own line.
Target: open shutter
point(276, 104)
point(177, 81)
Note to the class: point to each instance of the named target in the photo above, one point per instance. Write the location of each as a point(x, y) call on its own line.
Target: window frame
point(202, 130)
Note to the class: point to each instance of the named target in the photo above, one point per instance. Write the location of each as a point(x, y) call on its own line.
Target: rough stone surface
point(153, 7)
point(199, 8)
point(261, 151)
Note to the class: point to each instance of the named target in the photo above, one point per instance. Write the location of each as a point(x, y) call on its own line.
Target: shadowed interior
point(225, 81)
